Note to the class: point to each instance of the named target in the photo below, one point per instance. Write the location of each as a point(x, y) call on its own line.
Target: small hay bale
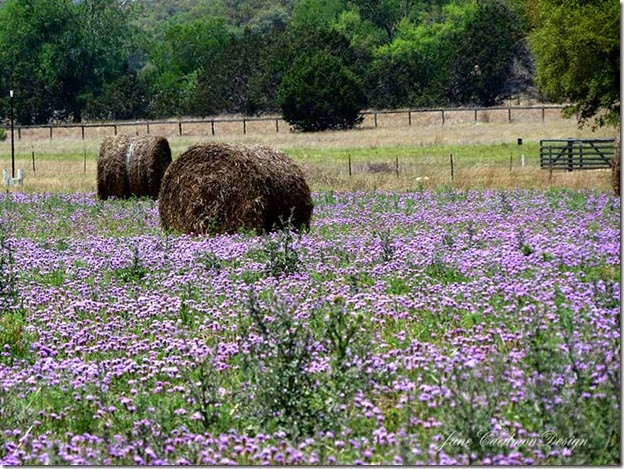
point(615, 165)
point(130, 165)
point(222, 188)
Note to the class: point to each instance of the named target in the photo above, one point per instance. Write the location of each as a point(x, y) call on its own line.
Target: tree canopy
point(321, 93)
point(577, 50)
point(123, 59)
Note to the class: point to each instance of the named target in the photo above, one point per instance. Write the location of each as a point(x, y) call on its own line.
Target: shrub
point(320, 93)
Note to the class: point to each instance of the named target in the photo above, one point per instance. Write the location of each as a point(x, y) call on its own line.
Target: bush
point(320, 93)
point(3, 135)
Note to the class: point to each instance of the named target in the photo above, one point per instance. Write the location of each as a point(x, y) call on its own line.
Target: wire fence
point(275, 124)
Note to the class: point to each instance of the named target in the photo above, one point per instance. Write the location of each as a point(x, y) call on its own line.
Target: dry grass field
point(485, 153)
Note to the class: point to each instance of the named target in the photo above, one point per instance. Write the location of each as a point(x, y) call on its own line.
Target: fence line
point(442, 114)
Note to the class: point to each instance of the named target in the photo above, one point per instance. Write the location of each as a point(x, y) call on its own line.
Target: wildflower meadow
point(436, 326)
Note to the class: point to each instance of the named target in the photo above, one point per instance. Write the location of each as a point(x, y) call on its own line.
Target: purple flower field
point(442, 327)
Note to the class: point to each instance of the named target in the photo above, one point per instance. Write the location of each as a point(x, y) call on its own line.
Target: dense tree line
point(124, 59)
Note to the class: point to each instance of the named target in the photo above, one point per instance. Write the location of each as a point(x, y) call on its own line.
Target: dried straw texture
point(615, 167)
point(131, 165)
point(222, 188)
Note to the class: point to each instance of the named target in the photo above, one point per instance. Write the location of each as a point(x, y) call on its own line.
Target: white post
point(10, 181)
point(522, 159)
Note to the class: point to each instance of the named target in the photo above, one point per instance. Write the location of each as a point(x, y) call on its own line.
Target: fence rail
point(575, 154)
point(441, 115)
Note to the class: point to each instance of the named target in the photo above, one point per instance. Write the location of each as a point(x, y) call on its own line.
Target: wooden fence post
point(276, 125)
point(82, 131)
point(33, 158)
point(452, 170)
point(442, 116)
point(212, 127)
point(409, 118)
point(350, 173)
point(397, 166)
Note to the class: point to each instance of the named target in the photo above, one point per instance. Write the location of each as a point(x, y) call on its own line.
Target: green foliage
point(133, 272)
point(486, 52)
point(320, 93)
point(121, 99)
point(177, 60)
point(414, 69)
point(14, 338)
point(317, 13)
point(106, 59)
point(282, 257)
point(57, 55)
point(284, 393)
point(387, 245)
point(9, 294)
point(387, 15)
point(577, 50)
point(279, 364)
point(237, 79)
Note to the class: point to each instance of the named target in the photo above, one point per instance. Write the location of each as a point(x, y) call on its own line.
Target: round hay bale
point(130, 165)
point(222, 188)
point(615, 166)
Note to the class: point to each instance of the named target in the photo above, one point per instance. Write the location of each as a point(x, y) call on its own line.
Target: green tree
point(121, 99)
point(387, 15)
point(414, 68)
point(286, 47)
point(58, 54)
point(577, 48)
point(320, 14)
point(320, 93)
point(176, 59)
point(486, 53)
point(235, 80)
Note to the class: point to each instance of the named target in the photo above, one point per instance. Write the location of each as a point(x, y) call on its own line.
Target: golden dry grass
point(323, 155)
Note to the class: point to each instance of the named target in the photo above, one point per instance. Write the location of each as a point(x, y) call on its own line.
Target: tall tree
point(235, 80)
point(577, 49)
point(414, 69)
point(57, 54)
point(176, 59)
point(486, 54)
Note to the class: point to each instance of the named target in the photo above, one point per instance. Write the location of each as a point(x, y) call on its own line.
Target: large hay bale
point(615, 166)
point(221, 188)
point(130, 165)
